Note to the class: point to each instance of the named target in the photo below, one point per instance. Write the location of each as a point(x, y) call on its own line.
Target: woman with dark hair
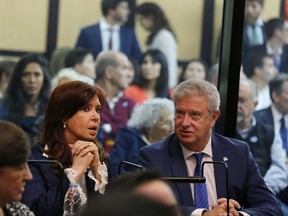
point(152, 18)
point(153, 78)
point(27, 94)
point(194, 69)
point(70, 127)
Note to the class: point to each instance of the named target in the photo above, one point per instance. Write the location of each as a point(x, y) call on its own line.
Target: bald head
point(107, 59)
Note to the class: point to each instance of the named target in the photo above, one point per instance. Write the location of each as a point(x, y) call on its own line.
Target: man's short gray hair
point(197, 87)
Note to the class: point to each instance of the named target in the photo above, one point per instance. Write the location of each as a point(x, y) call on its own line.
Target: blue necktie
point(200, 190)
point(283, 133)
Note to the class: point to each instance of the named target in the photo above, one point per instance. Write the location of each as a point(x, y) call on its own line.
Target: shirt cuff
point(198, 212)
point(102, 170)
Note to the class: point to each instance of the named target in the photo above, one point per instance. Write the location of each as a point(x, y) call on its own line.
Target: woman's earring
point(64, 125)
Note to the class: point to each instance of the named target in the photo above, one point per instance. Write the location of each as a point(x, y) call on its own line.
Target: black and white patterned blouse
point(17, 209)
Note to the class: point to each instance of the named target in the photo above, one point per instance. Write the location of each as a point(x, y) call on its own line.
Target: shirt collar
point(207, 150)
point(271, 52)
point(276, 114)
point(105, 26)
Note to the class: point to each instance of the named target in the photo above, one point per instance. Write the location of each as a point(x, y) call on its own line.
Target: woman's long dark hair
point(160, 21)
point(162, 89)
point(16, 98)
point(66, 99)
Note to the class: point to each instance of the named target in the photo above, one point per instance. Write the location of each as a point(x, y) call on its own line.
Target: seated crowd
point(74, 118)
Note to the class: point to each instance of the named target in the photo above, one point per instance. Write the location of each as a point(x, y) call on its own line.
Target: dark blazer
point(262, 49)
point(246, 46)
point(127, 144)
point(44, 194)
point(260, 139)
point(90, 38)
point(245, 182)
point(266, 116)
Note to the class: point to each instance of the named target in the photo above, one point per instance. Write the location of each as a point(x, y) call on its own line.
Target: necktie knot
point(199, 157)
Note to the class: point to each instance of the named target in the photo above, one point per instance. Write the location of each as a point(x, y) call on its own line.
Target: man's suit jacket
point(266, 116)
point(262, 49)
point(245, 182)
point(90, 38)
point(246, 45)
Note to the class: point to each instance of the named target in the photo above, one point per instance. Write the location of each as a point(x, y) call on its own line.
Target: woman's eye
point(98, 111)
point(85, 109)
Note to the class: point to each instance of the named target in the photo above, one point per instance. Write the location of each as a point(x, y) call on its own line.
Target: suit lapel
point(178, 168)
point(219, 169)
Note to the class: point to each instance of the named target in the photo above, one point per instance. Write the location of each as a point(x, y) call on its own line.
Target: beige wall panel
point(271, 9)
point(74, 15)
point(23, 25)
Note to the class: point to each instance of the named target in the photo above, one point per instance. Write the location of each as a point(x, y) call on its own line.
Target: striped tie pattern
point(200, 190)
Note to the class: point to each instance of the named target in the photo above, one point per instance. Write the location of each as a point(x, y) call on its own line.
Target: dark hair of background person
point(66, 99)
point(160, 21)
point(16, 96)
point(272, 25)
point(255, 60)
point(126, 204)
point(7, 67)
point(76, 56)
point(106, 5)
point(201, 61)
point(162, 89)
point(277, 83)
point(136, 68)
point(14, 147)
point(261, 2)
point(57, 60)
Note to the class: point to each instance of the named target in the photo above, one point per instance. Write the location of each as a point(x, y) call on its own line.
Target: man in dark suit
point(273, 115)
point(196, 111)
point(109, 33)
point(265, 145)
point(277, 39)
point(253, 29)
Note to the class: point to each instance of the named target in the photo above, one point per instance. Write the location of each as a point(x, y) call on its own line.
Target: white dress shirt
point(105, 30)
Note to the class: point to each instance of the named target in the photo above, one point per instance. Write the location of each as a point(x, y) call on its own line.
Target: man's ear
point(215, 115)
point(109, 72)
point(274, 96)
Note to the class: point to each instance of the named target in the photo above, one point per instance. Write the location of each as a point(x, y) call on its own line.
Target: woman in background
point(196, 68)
point(27, 94)
point(70, 128)
point(152, 80)
point(161, 37)
point(149, 123)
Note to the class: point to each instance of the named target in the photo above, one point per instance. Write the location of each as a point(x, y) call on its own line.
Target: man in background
point(109, 33)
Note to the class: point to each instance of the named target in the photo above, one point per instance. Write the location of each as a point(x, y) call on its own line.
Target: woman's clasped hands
point(85, 155)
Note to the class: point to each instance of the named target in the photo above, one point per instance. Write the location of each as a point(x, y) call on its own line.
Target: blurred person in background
point(27, 94)
point(152, 80)
point(149, 123)
point(161, 35)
